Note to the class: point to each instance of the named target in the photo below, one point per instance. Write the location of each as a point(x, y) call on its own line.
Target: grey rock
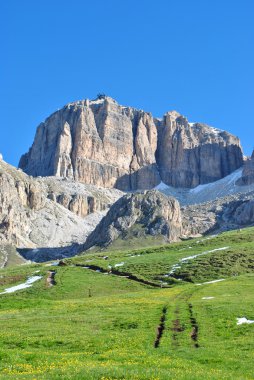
point(155, 213)
point(192, 154)
point(48, 212)
point(223, 214)
point(248, 172)
point(228, 185)
point(103, 143)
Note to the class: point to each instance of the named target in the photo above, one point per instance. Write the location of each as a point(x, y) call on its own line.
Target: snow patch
point(25, 285)
point(243, 320)
point(216, 131)
point(185, 259)
point(161, 186)
point(119, 265)
point(226, 181)
point(212, 282)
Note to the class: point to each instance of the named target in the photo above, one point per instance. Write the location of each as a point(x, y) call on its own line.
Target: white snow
point(240, 321)
point(207, 192)
point(221, 184)
point(200, 188)
point(212, 282)
point(119, 265)
point(25, 285)
point(207, 298)
point(161, 186)
point(185, 259)
point(216, 131)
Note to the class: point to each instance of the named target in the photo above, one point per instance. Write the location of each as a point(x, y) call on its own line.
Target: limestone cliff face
point(248, 172)
point(146, 213)
point(102, 143)
point(193, 154)
point(48, 212)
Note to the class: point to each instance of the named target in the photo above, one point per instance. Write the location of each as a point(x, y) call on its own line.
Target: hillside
point(137, 321)
point(48, 214)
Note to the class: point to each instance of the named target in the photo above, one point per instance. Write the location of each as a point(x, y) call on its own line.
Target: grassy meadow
point(93, 324)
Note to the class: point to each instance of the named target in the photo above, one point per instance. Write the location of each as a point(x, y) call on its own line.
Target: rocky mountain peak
point(103, 143)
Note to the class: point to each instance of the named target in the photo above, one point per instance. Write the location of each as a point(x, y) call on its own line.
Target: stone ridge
point(151, 212)
point(48, 212)
point(102, 143)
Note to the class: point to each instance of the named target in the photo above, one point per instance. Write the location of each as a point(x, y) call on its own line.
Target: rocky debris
point(79, 198)
point(151, 211)
point(103, 143)
point(32, 215)
point(248, 172)
point(208, 192)
point(223, 214)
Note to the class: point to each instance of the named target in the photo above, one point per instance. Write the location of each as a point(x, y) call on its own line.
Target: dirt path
point(51, 278)
point(160, 328)
point(194, 324)
point(122, 274)
point(176, 327)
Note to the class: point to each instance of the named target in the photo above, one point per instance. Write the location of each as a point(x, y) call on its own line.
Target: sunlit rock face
point(102, 143)
point(139, 214)
point(48, 212)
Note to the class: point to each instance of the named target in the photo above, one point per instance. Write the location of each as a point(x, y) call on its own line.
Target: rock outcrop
point(103, 143)
point(48, 212)
point(190, 154)
point(210, 191)
point(248, 172)
point(223, 214)
point(146, 213)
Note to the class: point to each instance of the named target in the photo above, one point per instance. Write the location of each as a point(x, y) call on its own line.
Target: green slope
point(93, 325)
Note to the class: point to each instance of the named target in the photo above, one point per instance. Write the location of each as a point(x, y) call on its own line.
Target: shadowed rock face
point(248, 172)
point(102, 143)
point(155, 213)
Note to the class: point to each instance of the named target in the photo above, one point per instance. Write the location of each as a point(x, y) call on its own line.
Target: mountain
point(222, 214)
point(102, 143)
point(138, 215)
point(182, 180)
point(248, 172)
point(229, 185)
point(48, 212)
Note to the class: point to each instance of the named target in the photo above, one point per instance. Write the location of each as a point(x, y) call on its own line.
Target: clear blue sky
point(195, 56)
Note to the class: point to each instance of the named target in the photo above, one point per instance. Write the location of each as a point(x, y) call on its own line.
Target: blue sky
point(195, 56)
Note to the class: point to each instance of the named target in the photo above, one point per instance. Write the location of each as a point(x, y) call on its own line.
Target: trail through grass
point(95, 325)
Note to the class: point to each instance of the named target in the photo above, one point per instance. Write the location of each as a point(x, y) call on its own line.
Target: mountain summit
point(102, 143)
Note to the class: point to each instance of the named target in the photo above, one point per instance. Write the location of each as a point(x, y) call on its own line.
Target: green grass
point(154, 263)
point(62, 333)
